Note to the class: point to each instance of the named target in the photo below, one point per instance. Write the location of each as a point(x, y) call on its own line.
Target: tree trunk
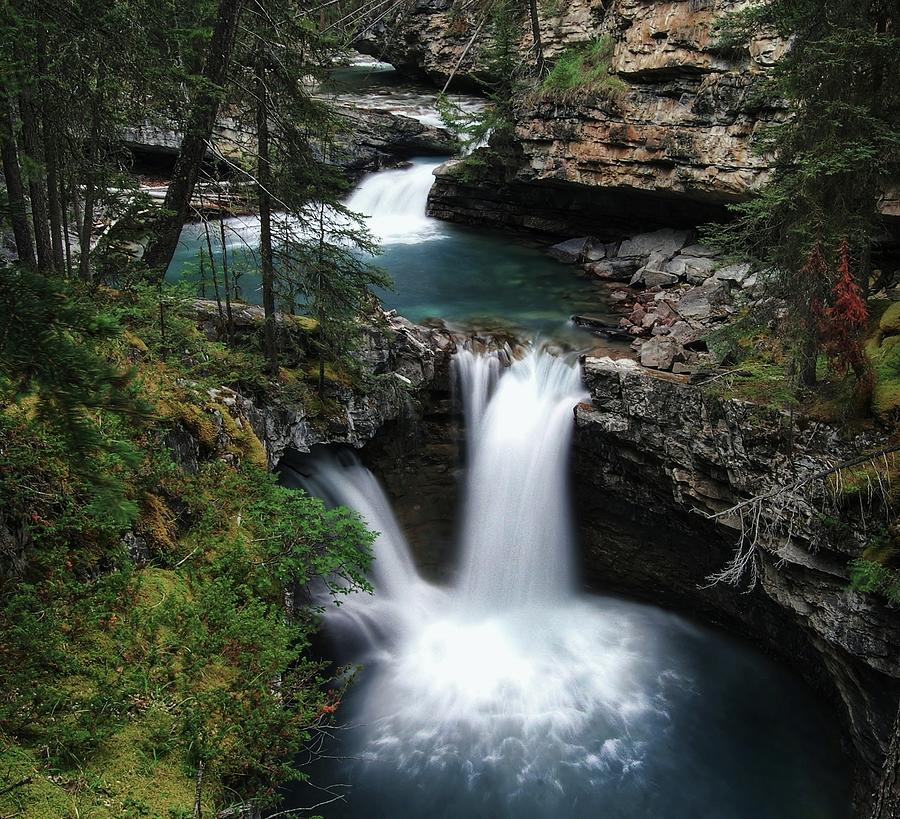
point(64, 213)
point(15, 192)
point(90, 191)
point(807, 360)
point(201, 121)
point(37, 187)
point(87, 228)
point(536, 35)
point(264, 181)
point(52, 156)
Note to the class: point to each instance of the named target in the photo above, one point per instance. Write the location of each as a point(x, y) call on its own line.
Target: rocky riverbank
point(670, 291)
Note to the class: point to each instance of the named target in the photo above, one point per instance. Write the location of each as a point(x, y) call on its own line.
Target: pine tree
point(833, 156)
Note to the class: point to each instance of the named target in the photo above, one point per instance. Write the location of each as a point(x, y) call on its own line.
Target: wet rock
point(573, 250)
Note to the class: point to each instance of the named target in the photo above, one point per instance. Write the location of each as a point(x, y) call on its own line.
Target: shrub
point(583, 71)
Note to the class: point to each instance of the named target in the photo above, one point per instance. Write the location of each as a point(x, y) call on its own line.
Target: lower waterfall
point(511, 694)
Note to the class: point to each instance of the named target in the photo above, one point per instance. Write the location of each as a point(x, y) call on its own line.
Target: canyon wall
point(677, 134)
point(655, 457)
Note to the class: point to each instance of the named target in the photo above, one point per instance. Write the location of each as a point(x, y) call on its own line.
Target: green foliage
point(118, 682)
point(581, 72)
point(51, 361)
point(841, 81)
point(869, 577)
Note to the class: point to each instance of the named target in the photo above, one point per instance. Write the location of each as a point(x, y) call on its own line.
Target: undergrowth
point(122, 677)
point(581, 72)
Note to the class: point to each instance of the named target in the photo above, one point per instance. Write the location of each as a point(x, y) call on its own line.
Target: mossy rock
point(195, 419)
point(157, 523)
point(244, 443)
point(306, 324)
point(890, 320)
point(133, 341)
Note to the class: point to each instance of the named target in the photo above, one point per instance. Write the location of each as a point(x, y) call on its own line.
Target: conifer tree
point(833, 156)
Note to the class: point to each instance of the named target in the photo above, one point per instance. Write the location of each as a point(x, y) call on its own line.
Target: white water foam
point(394, 203)
point(508, 674)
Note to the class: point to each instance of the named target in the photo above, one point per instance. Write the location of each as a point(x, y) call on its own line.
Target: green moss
point(583, 71)
point(157, 523)
point(243, 442)
point(134, 342)
point(195, 419)
point(41, 798)
point(884, 356)
point(757, 383)
point(155, 586)
point(305, 323)
point(889, 324)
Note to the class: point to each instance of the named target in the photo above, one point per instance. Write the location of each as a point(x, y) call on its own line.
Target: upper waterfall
point(395, 203)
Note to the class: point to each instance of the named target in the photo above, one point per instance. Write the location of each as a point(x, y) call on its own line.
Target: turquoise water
point(439, 270)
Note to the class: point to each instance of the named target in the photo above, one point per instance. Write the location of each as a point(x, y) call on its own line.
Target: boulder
point(614, 270)
point(737, 273)
point(637, 315)
point(659, 353)
point(890, 321)
point(700, 251)
point(595, 253)
point(573, 250)
point(647, 277)
point(666, 242)
point(682, 333)
point(693, 269)
point(704, 302)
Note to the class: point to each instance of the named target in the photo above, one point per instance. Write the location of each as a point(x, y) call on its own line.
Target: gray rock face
point(376, 138)
point(401, 359)
point(655, 455)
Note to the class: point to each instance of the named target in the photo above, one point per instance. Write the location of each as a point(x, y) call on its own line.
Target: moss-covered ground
point(119, 681)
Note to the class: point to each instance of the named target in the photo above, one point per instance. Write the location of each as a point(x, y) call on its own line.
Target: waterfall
point(516, 531)
point(474, 379)
point(395, 202)
point(343, 481)
point(509, 694)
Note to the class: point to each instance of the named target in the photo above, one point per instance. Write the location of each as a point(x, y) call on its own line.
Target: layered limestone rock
point(400, 361)
point(682, 124)
point(655, 457)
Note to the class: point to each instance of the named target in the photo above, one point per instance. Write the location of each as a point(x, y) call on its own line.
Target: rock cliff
point(655, 457)
point(680, 129)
